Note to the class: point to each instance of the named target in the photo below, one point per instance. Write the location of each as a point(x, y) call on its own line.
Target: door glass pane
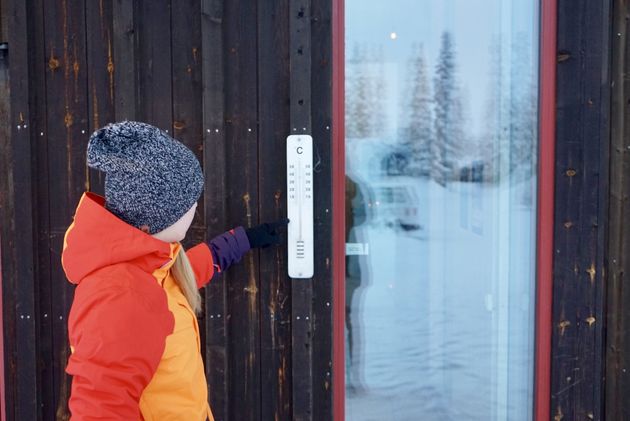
point(441, 141)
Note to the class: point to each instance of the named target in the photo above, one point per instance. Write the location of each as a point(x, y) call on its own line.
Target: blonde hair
point(185, 278)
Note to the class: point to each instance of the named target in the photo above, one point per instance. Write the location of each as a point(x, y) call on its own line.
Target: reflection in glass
point(441, 141)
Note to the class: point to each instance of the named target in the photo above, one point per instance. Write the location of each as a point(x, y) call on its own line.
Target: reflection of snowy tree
point(492, 127)
point(467, 147)
point(365, 87)
point(523, 110)
point(357, 87)
point(447, 143)
point(510, 123)
point(417, 136)
point(377, 110)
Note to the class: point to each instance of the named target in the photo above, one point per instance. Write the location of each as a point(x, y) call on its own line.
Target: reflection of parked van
point(397, 206)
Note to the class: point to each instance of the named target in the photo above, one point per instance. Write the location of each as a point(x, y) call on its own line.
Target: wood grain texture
point(241, 172)
point(153, 54)
point(230, 79)
point(17, 220)
point(124, 42)
point(321, 111)
point(582, 134)
point(214, 166)
point(40, 169)
point(618, 297)
point(68, 126)
point(302, 289)
point(275, 285)
point(100, 75)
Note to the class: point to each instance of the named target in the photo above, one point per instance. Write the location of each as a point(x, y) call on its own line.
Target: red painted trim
point(339, 199)
point(3, 405)
point(547, 124)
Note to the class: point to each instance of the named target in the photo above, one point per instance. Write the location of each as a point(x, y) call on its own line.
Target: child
point(133, 332)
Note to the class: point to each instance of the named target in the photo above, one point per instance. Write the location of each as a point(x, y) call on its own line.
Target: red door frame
point(3, 406)
point(339, 201)
point(546, 162)
point(544, 253)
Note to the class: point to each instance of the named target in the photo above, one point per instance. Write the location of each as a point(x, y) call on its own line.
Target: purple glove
point(228, 248)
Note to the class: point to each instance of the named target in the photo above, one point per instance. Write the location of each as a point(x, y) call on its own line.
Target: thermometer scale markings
point(299, 187)
point(300, 206)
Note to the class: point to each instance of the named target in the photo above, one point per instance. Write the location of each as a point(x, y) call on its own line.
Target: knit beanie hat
point(150, 178)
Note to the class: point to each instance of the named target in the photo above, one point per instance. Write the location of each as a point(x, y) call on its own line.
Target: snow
point(442, 317)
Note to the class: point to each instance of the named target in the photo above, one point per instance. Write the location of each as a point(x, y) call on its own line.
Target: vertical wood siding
point(581, 206)
point(618, 304)
point(230, 79)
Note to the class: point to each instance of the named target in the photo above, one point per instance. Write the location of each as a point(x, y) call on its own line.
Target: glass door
point(441, 141)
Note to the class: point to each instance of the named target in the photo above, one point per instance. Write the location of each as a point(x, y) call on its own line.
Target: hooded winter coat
point(134, 340)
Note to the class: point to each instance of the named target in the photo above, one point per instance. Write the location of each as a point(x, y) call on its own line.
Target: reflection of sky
point(473, 23)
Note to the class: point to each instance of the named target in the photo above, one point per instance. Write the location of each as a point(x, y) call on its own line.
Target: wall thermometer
point(300, 205)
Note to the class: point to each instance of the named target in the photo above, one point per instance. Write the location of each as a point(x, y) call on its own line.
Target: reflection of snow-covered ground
point(442, 316)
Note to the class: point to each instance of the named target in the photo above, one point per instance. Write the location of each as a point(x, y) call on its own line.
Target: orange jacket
point(134, 339)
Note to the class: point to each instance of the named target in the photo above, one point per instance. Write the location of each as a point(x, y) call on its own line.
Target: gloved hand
point(266, 234)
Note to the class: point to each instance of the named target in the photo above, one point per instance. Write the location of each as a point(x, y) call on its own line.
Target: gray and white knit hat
point(150, 178)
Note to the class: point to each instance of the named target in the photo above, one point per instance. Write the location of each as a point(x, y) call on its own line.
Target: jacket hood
point(97, 238)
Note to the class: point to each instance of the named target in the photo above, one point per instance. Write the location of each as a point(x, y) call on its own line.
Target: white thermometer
point(300, 205)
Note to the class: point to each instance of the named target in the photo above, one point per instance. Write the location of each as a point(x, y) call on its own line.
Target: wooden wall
point(618, 309)
point(229, 78)
point(581, 210)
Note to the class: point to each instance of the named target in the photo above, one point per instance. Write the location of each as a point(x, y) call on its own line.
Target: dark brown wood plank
point(275, 285)
point(153, 55)
point(7, 208)
point(124, 41)
point(582, 135)
point(186, 64)
point(321, 99)
point(17, 228)
point(4, 21)
point(241, 136)
point(214, 152)
point(45, 291)
point(618, 297)
point(187, 93)
point(100, 75)
point(302, 289)
point(68, 127)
